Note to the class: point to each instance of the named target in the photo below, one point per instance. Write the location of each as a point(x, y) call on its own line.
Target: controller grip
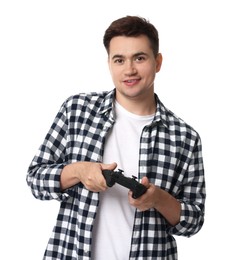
point(139, 190)
point(108, 177)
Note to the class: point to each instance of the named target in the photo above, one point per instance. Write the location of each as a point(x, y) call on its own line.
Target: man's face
point(133, 66)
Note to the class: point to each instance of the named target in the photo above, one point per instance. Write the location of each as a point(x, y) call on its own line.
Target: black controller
point(113, 177)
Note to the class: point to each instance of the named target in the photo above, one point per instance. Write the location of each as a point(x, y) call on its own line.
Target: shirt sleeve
point(192, 197)
point(43, 175)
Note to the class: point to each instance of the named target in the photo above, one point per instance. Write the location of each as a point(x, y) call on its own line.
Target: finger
point(145, 181)
point(110, 166)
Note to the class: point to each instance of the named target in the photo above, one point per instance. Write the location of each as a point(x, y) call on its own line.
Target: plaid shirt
point(170, 156)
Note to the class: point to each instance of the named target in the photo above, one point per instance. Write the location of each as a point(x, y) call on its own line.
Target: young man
point(127, 128)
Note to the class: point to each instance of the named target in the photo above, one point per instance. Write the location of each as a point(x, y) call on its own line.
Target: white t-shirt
point(115, 218)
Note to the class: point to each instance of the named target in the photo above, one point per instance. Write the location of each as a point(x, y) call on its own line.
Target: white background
point(52, 49)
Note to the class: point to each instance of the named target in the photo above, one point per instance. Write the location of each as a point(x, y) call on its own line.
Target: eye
point(140, 58)
point(119, 61)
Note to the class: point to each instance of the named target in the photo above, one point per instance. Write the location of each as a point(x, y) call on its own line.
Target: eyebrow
point(116, 56)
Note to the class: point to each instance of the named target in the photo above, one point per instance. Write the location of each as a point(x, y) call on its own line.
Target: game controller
point(113, 177)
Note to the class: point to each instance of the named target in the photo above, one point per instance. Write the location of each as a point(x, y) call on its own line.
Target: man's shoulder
point(176, 124)
point(89, 99)
point(88, 96)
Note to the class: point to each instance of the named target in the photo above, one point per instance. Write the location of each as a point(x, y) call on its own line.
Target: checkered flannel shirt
point(170, 156)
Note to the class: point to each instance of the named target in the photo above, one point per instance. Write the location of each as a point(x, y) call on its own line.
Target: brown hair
point(132, 26)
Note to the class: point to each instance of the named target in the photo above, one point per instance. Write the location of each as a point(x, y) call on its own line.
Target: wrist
point(70, 176)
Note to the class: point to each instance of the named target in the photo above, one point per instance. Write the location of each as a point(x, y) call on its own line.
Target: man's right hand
point(88, 173)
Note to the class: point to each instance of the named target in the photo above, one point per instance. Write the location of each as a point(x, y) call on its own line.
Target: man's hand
point(88, 173)
point(91, 175)
point(158, 199)
point(146, 201)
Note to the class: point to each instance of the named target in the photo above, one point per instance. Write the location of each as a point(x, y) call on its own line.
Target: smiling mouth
point(131, 81)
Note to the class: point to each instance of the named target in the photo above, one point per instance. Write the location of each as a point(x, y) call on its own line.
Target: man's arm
point(159, 199)
point(88, 173)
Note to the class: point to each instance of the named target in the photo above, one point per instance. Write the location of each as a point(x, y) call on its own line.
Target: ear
point(159, 59)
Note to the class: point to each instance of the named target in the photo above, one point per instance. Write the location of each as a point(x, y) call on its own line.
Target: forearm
point(44, 181)
point(168, 206)
point(70, 175)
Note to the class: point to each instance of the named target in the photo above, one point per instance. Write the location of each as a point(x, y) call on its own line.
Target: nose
point(130, 69)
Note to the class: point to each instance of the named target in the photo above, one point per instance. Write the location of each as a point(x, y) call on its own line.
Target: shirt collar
point(160, 115)
point(107, 103)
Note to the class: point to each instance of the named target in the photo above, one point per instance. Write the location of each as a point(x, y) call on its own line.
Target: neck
point(137, 106)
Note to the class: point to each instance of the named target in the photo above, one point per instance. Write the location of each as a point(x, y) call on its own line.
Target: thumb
point(109, 166)
point(145, 182)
